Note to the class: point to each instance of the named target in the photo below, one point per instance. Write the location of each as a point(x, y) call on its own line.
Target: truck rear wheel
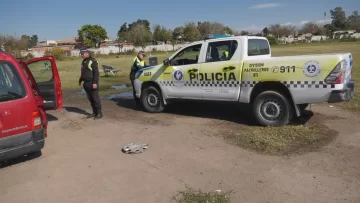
point(151, 100)
point(272, 108)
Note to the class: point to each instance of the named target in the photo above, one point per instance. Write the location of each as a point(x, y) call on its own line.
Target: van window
point(258, 47)
point(11, 86)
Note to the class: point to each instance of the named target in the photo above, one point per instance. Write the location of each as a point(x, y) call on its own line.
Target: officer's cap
point(82, 51)
point(142, 53)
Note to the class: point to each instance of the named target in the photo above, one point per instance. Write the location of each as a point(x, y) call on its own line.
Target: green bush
point(28, 56)
point(57, 52)
point(272, 40)
point(348, 39)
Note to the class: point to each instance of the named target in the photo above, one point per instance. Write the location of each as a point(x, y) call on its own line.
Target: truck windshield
point(11, 87)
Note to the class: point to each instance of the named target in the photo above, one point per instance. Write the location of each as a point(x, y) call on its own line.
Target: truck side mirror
point(166, 62)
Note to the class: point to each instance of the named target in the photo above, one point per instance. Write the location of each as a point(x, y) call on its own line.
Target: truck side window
point(187, 56)
point(11, 86)
point(258, 47)
point(221, 51)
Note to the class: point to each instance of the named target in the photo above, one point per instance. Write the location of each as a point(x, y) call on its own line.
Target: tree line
point(139, 32)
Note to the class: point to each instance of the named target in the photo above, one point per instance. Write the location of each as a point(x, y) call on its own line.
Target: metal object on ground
point(135, 148)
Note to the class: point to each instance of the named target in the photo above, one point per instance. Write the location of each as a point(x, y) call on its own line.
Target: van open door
point(45, 73)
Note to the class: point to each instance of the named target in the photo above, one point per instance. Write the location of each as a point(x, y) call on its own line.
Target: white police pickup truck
point(241, 69)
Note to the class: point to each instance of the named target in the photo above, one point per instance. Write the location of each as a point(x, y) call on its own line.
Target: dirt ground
point(82, 159)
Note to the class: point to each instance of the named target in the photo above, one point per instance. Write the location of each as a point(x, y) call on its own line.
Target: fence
point(113, 50)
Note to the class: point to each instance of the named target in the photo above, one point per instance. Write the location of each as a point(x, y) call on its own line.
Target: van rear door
point(45, 73)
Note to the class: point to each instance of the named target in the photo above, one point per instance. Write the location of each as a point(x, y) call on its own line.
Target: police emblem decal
point(311, 68)
point(178, 75)
point(178, 78)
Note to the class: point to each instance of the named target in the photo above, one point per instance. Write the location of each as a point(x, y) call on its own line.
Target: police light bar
point(216, 36)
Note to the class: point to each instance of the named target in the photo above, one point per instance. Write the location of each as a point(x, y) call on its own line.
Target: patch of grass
point(284, 140)
point(69, 71)
point(197, 196)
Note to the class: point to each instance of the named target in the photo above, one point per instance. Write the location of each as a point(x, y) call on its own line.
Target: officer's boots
point(93, 114)
point(99, 115)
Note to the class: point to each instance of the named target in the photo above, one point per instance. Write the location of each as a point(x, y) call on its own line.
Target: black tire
point(275, 102)
point(302, 107)
point(152, 100)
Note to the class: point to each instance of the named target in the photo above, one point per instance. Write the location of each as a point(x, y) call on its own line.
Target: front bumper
point(342, 95)
point(18, 145)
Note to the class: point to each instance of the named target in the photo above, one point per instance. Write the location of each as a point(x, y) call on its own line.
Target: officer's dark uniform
point(136, 65)
point(90, 76)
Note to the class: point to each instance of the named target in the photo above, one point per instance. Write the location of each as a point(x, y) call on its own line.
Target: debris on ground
point(135, 148)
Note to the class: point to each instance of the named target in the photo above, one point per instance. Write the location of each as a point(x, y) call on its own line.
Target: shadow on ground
point(76, 110)
point(20, 159)
point(51, 117)
point(229, 111)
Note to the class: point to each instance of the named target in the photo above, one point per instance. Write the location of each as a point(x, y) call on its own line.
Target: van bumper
point(345, 94)
point(18, 145)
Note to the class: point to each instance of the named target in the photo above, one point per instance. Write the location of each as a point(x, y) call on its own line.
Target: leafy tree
point(313, 28)
point(328, 29)
point(339, 20)
point(244, 33)
point(122, 33)
point(161, 34)
point(354, 21)
point(178, 33)
point(92, 35)
point(139, 35)
point(145, 24)
point(207, 27)
point(282, 30)
point(33, 41)
point(26, 40)
point(265, 31)
point(228, 30)
point(191, 33)
point(12, 44)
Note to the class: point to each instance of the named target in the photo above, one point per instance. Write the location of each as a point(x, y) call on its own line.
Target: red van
point(27, 90)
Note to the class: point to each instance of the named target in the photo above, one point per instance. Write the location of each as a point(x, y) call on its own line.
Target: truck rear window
point(258, 47)
point(11, 86)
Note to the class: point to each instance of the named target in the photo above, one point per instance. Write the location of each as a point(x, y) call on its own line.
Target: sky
point(56, 20)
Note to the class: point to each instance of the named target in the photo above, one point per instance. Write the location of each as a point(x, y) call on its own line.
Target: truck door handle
point(193, 70)
point(229, 68)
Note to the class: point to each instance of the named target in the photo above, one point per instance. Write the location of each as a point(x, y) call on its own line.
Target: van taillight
point(337, 75)
point(37, 122)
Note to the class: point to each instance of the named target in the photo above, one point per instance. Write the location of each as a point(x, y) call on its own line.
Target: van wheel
point(151, 100)
point(272, 109)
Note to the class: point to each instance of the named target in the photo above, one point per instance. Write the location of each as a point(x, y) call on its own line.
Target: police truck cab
point(241, 69)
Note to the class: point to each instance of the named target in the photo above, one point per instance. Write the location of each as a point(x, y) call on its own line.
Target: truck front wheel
point(272, 108)
point(151, 100)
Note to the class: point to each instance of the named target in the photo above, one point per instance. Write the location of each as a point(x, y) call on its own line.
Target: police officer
point(136, 64)
point(90, 77)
